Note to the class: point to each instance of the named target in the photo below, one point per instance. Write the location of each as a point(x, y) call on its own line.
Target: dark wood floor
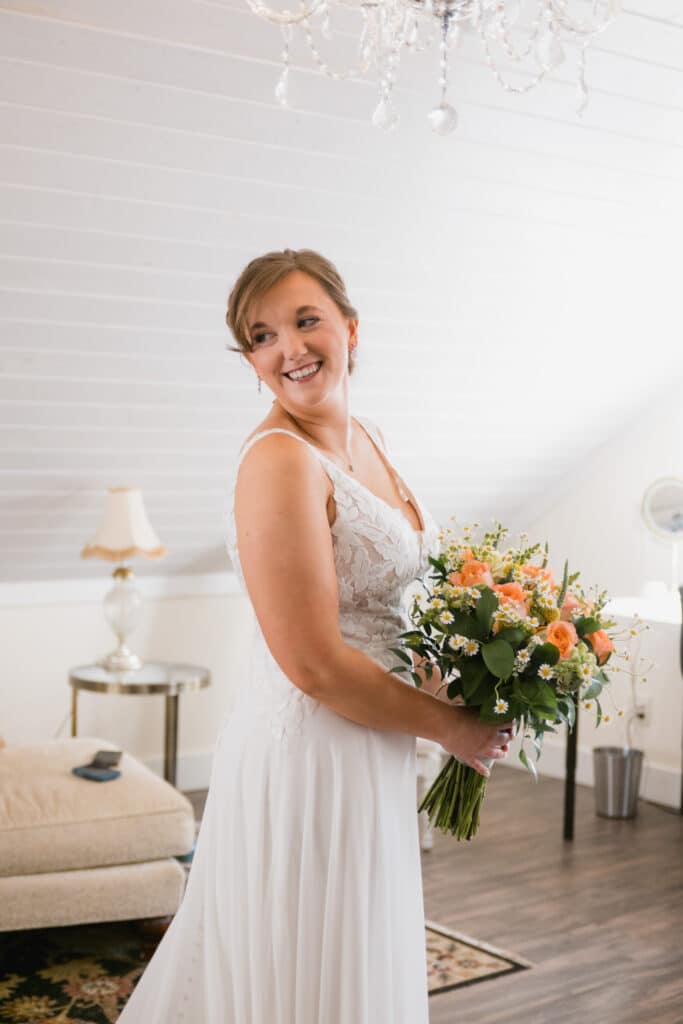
point(601, 917)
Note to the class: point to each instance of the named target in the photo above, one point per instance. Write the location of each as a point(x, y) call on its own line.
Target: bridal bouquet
point(506, 639)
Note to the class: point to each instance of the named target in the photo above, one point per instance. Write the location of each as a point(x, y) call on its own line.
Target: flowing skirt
point(304, 903)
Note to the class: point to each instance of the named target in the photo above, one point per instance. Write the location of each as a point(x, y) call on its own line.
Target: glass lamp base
point(121, 660)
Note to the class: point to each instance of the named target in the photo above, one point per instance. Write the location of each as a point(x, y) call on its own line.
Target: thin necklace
point(303, 429)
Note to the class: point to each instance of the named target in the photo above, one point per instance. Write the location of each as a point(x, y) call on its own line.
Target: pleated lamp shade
point(125, 531)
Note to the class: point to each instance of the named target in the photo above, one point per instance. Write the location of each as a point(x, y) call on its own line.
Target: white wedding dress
point(304, 903)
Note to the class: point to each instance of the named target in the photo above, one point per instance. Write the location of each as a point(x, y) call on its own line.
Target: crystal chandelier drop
point(515, 35)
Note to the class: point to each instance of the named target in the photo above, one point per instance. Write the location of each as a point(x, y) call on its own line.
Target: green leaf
point(486, 606)
point(547, 652)
point(594, 690)
point(538, 743)
point(563, 589)
point(412, 635)
point(402, 655)
point(541, 697)
point(598, 717)
point(417, 679)
point(485, 689)
point(466, 625)
point(528, 764)
point(499, 658)
point(454, 689)
point(399, 668)
point(472, 672)
point(567, 709)
point(512, 634)
point(586, 624)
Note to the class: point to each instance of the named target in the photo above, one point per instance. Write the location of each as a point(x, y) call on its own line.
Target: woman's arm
point(286, 554)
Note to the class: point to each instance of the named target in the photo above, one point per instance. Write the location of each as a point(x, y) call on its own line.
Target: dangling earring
point(259, 383)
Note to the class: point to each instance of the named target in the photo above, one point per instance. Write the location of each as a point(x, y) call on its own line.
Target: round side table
point(163, 678)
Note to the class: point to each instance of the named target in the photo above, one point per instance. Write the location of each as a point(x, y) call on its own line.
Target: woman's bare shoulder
point(271, 422)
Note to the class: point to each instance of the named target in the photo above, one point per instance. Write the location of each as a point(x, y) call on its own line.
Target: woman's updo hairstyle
point(262, 273)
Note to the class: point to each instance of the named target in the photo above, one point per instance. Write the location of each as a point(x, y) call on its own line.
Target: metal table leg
point(171, 738)
point(74, 711)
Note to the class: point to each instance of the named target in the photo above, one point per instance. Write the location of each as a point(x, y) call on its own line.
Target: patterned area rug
point(455, 960)
point(85, 974)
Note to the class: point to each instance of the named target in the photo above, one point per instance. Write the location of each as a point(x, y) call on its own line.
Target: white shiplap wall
point(518, 282)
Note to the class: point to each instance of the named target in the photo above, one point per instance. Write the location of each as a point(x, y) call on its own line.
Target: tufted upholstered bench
point(74, 851)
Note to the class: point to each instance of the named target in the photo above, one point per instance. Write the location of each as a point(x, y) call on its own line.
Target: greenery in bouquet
point(499, 634)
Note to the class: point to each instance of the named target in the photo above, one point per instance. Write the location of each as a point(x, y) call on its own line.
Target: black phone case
point(88, 771)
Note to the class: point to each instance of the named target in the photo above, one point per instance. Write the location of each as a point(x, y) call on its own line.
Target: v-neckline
point(417, 508)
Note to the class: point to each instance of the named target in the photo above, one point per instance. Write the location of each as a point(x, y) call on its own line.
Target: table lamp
point(124, 533)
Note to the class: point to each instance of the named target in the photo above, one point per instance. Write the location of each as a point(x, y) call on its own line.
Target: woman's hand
point(473, 741)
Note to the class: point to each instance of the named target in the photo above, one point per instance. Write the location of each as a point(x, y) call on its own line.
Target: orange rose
point(474, 572)
point(512, 591)
point(564, 636)
point(601, 644)
point(536, 572)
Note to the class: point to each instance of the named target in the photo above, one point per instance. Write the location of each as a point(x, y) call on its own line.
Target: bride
point(304, 902)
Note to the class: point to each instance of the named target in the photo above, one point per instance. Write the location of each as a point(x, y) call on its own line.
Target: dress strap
point(373, 431)
point(265, 433)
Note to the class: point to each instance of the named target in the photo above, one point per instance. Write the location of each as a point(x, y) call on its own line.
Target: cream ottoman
point(74, 851)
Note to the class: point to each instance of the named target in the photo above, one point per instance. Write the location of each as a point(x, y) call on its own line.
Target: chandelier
point(516, 35)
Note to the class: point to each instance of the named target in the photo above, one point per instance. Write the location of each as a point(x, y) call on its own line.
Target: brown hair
point(265, 271)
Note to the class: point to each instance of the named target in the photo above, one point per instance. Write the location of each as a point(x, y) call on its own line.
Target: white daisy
point(446, 618)
point(501, 706)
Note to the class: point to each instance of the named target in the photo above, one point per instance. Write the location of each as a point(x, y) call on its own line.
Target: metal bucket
point(617, 781)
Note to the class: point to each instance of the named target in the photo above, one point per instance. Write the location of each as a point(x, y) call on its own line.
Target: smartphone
point(106, 758)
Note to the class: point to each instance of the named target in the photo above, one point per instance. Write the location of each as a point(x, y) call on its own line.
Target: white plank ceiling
point(518, 282)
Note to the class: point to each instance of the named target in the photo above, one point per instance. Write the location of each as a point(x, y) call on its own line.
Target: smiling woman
point(304, 901)
point(264, 272)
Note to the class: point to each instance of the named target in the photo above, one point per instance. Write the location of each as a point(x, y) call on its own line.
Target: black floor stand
point(570, 778)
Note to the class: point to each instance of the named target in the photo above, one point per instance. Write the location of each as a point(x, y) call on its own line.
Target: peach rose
point(570, 605)
point(472, 572)
point(601, 644)
point(536, 572)
point(564, 636)
point(512, 591)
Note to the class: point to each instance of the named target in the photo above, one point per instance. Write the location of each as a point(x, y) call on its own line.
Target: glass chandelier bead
point(443, 119)
point(385, 115)
point(281, 93)
point(549, 50)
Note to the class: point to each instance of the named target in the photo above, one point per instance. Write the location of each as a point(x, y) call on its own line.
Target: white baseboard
point(659, 784)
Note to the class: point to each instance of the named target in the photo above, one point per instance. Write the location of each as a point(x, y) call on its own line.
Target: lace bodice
point(377, 557)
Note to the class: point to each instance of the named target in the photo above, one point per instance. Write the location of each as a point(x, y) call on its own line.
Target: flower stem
point(453, 801)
